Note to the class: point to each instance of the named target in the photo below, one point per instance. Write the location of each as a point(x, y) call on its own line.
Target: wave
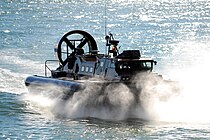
point(11, 82)
point(14, 70)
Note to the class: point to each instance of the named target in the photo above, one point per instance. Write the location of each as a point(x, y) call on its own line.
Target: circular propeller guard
point(86, 39)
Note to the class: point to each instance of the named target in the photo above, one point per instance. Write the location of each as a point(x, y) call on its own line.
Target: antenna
point(105, 22)
point(105, 18)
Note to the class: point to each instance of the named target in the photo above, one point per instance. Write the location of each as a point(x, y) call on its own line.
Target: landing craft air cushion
point(80, 62)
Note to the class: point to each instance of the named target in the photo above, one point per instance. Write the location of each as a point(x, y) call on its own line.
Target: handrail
point(47, 67)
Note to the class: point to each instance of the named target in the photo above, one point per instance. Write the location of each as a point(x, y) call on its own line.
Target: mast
point(105, 22)
point(105, 18)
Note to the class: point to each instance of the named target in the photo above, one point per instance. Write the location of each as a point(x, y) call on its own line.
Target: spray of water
point(11, 82)
point(190, 103)
point(114, 101)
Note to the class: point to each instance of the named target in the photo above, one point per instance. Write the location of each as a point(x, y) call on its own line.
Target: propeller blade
point(69, 43)
point(82, 43)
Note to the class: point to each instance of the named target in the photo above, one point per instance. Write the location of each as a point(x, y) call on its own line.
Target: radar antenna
point(112, 45)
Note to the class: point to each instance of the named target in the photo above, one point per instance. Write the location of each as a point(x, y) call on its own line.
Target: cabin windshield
point(123, 67)
point(146, 65)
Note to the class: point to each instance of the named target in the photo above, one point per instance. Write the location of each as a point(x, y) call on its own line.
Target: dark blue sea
point(175, 33)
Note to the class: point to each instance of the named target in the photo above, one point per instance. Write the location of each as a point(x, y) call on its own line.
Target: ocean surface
point(176, 33)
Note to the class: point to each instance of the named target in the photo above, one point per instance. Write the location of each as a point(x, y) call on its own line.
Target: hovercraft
point(80, 61)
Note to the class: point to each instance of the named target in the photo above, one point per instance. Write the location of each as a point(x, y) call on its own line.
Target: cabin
point(113, 66)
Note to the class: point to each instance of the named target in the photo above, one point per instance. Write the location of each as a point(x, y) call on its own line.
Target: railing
point(47, 68)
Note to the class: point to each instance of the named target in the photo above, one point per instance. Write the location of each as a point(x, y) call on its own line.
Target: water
point(175, 33)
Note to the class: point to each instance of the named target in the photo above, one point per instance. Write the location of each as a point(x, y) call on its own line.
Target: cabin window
point(86, 69)
point(146, 65)
point(124, 66)
point(91, 69)
point(112, 65)
point(83, 68)
point(102, 64)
